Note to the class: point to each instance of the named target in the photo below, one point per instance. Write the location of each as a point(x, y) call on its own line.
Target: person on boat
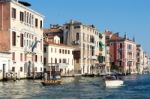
point(45, 76)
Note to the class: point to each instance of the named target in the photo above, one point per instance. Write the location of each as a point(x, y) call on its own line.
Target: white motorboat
point(113, 81)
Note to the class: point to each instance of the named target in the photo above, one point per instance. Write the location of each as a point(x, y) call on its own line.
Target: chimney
point(125, 36)
point(133, 39)
point(117, 34)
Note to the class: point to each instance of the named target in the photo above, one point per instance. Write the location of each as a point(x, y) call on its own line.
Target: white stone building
point(58, 56)
point(4, 64)
point(140, 59)
point(22, 34)
point(85, 40)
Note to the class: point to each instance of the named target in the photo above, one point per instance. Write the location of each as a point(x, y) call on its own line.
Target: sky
point(131, 17)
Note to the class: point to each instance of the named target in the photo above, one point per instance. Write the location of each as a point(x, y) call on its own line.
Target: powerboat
point(113, 81)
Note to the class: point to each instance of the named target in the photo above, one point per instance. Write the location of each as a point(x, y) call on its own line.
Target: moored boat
point(51, 82)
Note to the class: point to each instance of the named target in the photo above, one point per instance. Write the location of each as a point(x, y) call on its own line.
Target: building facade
point(85, 40)
point(145, 63)
point(54, 30)
point(140, 59)
point(4, 64)
point(21, 32)
point(59, 56)
point(104, 57)
point(122, 52)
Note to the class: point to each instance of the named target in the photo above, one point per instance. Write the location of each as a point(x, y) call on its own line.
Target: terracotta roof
point(116, 37)
point(107, 33)
point(52, 30)
point(52, 43)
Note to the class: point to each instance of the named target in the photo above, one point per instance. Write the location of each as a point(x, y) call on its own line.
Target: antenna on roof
point(133, 39)
point(125, 36)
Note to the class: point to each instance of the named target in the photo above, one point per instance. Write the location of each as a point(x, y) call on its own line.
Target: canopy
point(101, 44)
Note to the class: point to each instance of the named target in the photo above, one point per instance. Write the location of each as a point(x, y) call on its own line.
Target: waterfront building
point(21, 33)
point(122, 52)
point(104, 57)
point(140, 59)
point(108, 66)
point(149, 64)
point(4, 64)
point(58, 56)
point(145, 63)
point(85, 40)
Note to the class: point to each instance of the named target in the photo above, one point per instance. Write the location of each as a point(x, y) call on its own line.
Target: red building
point(122, 52)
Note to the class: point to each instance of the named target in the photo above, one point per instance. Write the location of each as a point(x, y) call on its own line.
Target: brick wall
point(4, 26)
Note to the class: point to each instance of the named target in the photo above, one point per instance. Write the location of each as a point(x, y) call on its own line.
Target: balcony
point(76, 42)
point(101, 49)
point(60, 65)
point(63, 65)
point(27, 50)
point(101, 59)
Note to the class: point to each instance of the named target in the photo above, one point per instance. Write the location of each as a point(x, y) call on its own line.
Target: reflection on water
point(137, 87)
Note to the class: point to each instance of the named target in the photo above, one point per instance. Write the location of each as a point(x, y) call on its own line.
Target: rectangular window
point(21, 69)
point(21, 40)
point(13, 69)
point(14, 38)
point(36, 22)
point(65, 51)
point(64, 60)
point(129, 47)
point(44, 60)
point(35, 58)
point(21, 16)
point(59, 60)
point(51, 50)
point(14, 13)
point(41, 24)
point(13, 56)
point(68, 51)
point(44, 49)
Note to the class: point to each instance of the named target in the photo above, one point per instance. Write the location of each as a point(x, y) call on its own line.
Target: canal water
point(135, 87)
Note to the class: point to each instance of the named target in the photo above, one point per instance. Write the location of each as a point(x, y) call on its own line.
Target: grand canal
point(135, 87)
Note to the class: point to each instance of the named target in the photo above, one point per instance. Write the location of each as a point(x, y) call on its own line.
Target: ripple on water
point(136, 87)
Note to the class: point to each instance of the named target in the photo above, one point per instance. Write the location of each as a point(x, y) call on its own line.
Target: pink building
point(122, 52)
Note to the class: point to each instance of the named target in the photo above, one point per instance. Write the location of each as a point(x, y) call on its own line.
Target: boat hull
point(51, 82)
point(113, 83)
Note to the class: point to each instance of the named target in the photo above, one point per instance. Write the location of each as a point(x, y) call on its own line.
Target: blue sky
point(125, 16)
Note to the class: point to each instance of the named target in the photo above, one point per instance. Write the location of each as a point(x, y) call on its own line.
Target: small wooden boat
point(51, 82)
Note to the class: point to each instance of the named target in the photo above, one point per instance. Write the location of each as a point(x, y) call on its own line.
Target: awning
point(101, 44)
